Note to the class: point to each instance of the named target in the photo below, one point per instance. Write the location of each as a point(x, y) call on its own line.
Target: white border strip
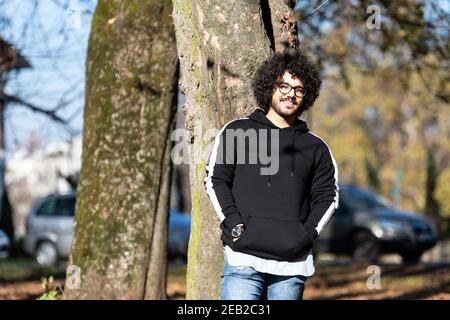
point(334, 205)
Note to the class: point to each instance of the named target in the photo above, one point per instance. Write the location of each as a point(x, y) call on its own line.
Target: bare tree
point(51, 46)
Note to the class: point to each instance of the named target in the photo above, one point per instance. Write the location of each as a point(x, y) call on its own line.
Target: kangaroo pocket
point(274, 239)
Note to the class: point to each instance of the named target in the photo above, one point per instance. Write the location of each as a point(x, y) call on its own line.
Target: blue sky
point(54, 39)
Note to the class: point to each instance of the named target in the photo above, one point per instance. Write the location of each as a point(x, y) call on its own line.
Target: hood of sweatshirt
point(299, 126)
point(259, 116)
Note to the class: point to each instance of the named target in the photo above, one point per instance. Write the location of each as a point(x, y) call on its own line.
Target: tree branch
point(49, 113)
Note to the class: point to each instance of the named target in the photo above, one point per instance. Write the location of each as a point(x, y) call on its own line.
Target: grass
point(21, 270)
point(176, 281)
point(24, 269)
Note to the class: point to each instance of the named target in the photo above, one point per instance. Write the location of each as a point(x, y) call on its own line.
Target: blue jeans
point(245, 283)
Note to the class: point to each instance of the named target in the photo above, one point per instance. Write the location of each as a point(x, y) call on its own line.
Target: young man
point(275, 194)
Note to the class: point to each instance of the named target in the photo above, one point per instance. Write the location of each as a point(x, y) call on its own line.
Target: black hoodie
point(284, 211)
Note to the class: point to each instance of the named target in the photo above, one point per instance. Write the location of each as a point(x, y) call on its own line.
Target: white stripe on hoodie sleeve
point(219, 180)
point(326, 199)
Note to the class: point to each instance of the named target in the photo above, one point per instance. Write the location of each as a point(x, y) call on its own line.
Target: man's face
point(287, 104)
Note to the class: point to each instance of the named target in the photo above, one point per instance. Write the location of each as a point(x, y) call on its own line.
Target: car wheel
point(46, 254)
point(411, 257)
point(365, 247)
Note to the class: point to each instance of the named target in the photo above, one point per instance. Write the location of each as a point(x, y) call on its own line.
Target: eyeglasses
point(285, 88)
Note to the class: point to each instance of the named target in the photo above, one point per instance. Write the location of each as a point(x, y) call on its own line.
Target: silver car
point(50, 227)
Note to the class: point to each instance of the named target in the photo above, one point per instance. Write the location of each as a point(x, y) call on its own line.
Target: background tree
point(396, 129)
point(120, 241)
point(432, 207)
point(34, 90)
point(372, 176)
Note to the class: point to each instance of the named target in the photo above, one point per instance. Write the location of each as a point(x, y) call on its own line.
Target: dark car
point(49, 229)
point(365, 225)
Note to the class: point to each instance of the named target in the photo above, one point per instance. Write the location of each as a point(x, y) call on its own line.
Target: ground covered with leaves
point(24, 280)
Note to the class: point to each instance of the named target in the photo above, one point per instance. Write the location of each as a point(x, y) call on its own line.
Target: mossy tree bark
point(220, 45)
point(120, 240)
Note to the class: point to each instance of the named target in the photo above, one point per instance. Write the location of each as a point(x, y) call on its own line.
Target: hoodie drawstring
point(259, 116)
point(292, 157)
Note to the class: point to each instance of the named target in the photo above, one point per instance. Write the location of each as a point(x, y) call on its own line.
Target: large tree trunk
point(120, 241)
point(220, 45)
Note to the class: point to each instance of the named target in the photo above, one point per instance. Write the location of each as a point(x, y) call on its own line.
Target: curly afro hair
point(272, 71)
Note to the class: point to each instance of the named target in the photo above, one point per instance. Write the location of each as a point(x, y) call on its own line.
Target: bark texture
point(120, 240)
point(284, 25)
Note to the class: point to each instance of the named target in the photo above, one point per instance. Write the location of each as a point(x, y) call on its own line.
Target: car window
point(47, 209)
point(65, 206)
point(361, 199)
